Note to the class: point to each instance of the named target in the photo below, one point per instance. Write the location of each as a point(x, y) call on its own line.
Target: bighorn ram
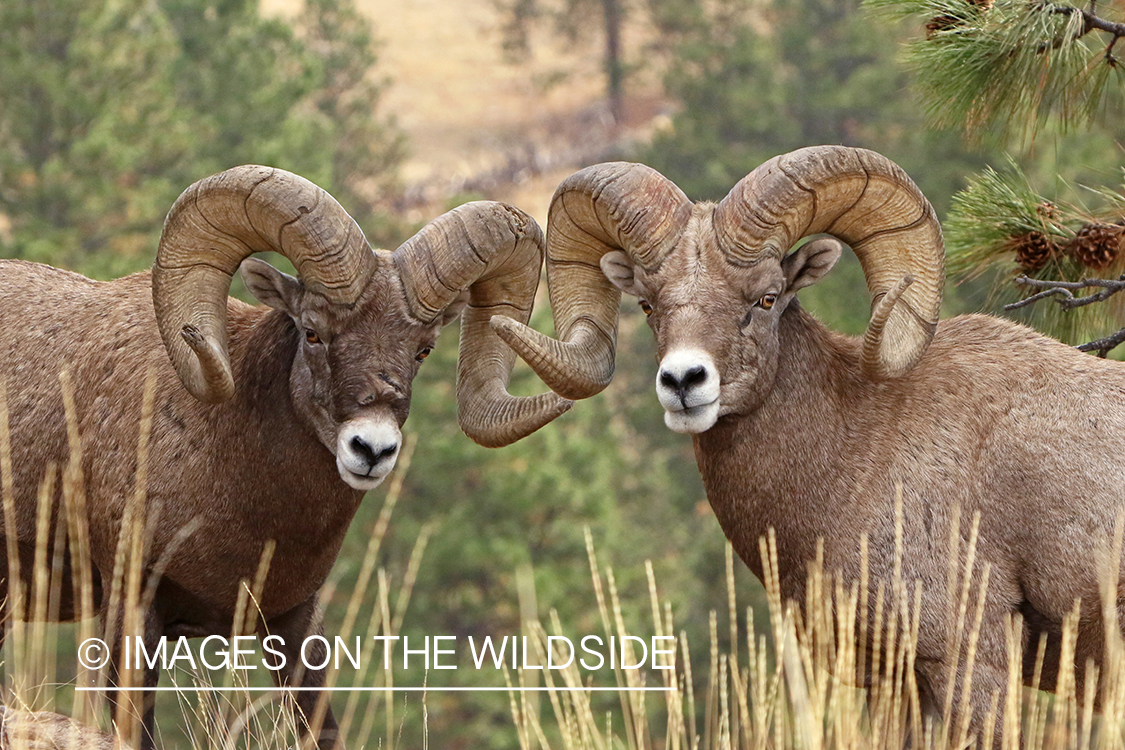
point(810, 432)
point(289, 415)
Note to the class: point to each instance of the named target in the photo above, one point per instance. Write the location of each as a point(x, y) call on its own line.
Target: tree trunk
point(613, 66)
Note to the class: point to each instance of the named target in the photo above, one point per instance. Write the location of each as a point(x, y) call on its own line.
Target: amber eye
point(423, 354)
point(311, 337)
point(646, 307)
point(767, 302)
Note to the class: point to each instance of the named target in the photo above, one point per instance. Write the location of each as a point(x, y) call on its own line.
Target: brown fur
point(239, 473)
point(994, 419)
point(43, 730)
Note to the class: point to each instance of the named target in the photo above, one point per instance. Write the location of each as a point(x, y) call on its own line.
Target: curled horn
point(495, 251)
point(615, 206)
point(867, 201)
point(212, 227)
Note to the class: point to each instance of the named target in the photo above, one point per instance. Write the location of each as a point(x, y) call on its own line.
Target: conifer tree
point(570, 19)
point(1027, 75)
point(109, 109)
point(757, 78)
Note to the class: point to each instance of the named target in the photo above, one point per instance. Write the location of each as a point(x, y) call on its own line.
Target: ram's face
point(716, 324)
point(353, 369)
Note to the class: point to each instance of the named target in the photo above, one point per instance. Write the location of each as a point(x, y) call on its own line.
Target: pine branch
point(999, 69)
point(1104, 346)
point(1090, 19)
point(996, 214)
point(1063, 291)
point(1090, 22)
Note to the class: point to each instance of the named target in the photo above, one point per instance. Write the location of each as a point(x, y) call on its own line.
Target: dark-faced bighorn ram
point(289, 414)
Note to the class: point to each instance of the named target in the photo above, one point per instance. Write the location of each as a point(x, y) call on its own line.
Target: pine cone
point(941, 23)
point(945, 22)
point(1034, 250)
point(1096, 245)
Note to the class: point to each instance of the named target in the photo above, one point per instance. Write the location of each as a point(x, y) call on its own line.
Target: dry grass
point(796, 685)
point(39, 684)
point(792, 687)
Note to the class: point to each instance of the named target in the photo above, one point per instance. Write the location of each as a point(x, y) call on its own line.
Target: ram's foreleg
point(313, 713)
point(981, 713)
point(122, 702)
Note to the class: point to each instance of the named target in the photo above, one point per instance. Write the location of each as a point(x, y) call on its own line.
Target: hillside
point(481, 124)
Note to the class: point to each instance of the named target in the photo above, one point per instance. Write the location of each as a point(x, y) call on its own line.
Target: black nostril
point(360, 446)
point(369, 454)
point(694, 376)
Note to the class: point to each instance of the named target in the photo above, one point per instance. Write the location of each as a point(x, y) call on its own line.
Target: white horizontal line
point(374, 689)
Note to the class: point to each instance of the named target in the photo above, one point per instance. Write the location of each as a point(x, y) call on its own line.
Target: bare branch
point(1091, 21)
point(1063, 291)
point(1038, 296)
point(1110, 58)
point(1103, 346)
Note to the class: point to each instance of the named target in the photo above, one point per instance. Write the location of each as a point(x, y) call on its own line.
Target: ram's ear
point(272, 287)
point(619, 269)
point(807, 264)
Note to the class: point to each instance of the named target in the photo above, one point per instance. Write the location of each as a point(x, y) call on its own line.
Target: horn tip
point(538, 411)
point(510, 331)
point(503, 323)
point(194, 337)
point(211, 381)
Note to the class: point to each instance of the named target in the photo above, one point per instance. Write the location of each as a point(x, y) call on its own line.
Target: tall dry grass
point(50, 700)
point(796, 685)
point(793, 686)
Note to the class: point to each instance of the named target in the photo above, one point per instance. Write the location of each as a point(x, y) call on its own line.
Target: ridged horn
point(216, 224)
point(614, 206)
point(495, 251)
point(867, 201)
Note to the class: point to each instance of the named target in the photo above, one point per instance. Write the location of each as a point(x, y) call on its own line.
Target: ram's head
point(716, 279)
point(361, 322)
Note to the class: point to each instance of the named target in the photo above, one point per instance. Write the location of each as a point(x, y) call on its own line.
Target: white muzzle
point(366, 450)
point(687, 386)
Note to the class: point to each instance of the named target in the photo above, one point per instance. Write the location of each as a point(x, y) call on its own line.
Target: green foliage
point(570, 19)
point(989, 213)
point(89, 138)
point(1028, 73)
point(754, 80)
point(999, 70)
point(112, 108)
point(999, 215)
point(366, 149)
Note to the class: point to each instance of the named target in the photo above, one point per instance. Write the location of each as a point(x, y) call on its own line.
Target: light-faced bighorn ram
point(289, 414)
point(809, 432)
